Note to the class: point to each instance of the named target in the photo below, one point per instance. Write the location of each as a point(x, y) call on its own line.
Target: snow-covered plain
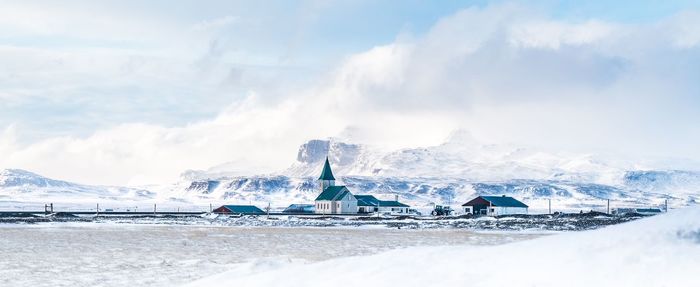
point(107, 254)
point(659, 251)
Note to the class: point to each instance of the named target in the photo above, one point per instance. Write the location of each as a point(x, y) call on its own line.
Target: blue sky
point(86, 76)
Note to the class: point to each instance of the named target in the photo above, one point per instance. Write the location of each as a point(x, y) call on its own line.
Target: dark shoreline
point(545, 222)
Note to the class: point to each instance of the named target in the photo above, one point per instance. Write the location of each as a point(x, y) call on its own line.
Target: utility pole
point(210, 209)
point(154, 209)
point(608, 206)
point(666, 205)
point(98, 209)
point(550, 205)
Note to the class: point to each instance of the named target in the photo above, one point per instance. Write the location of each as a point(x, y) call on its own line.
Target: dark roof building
point(495, 205)
point(502, 201)
point(239, 209)
point(366, 200)
point(333, 193)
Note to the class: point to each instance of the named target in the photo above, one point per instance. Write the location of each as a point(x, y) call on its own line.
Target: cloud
point(213, 24)
point(503, 72)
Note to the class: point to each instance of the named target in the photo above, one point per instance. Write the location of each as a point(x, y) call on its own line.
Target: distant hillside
point(450, 173)
point(21, 185)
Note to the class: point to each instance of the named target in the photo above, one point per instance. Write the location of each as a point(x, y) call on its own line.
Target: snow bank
point(659, 251)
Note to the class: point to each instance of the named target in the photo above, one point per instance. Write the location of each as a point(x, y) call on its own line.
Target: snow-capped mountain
point(460, 156)
point(449, 173)
point(453, 172)
point(21, 185)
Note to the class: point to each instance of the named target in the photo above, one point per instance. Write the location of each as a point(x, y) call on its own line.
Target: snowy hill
point(452, 172)
point(25, 186)
point(460, 156)
point(630, 254)
point(449, 173)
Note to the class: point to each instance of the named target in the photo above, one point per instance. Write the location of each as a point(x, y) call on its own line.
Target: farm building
point(495, 205)
point(299, 208)
point(239, 209)
point(369, 203)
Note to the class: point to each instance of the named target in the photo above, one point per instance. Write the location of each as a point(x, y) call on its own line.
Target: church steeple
point(326, 177)
point(326, 174)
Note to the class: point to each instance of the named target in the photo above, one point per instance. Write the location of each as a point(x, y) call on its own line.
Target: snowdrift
point(659, 251)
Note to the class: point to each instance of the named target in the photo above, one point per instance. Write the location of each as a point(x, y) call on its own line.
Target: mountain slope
point(460, 157)
point(449, 173)
point(453, 172)
point(21, 185)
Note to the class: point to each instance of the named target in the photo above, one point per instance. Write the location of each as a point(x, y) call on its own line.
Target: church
point(334, 199)
point(337, 199)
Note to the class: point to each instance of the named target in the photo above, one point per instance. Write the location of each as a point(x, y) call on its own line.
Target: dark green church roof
point(369, 200)
point(326, 174)
point(333, 193)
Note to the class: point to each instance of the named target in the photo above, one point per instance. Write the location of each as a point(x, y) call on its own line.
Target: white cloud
point(213, 24)
point(502, 72)
point(552, 35)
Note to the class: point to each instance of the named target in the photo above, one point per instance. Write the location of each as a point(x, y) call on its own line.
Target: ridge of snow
point(630, 254)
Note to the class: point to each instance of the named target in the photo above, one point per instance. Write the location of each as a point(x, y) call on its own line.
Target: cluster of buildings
point(338, 199)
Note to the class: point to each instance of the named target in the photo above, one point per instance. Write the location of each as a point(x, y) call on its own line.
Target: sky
point(136, 92)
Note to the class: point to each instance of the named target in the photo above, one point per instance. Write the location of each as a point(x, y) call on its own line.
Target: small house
point(495, 205)
point(369, 203)
point(366, 203)
point(239, 209)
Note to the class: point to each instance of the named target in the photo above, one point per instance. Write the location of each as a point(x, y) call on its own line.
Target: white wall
point(324, 207)
point(501, 210)
point(348, 204)
point(393, 210)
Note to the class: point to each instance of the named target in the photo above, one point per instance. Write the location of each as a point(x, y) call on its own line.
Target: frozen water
point(102, 254)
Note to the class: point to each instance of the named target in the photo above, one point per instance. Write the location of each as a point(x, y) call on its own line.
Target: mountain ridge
point(451, 172)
